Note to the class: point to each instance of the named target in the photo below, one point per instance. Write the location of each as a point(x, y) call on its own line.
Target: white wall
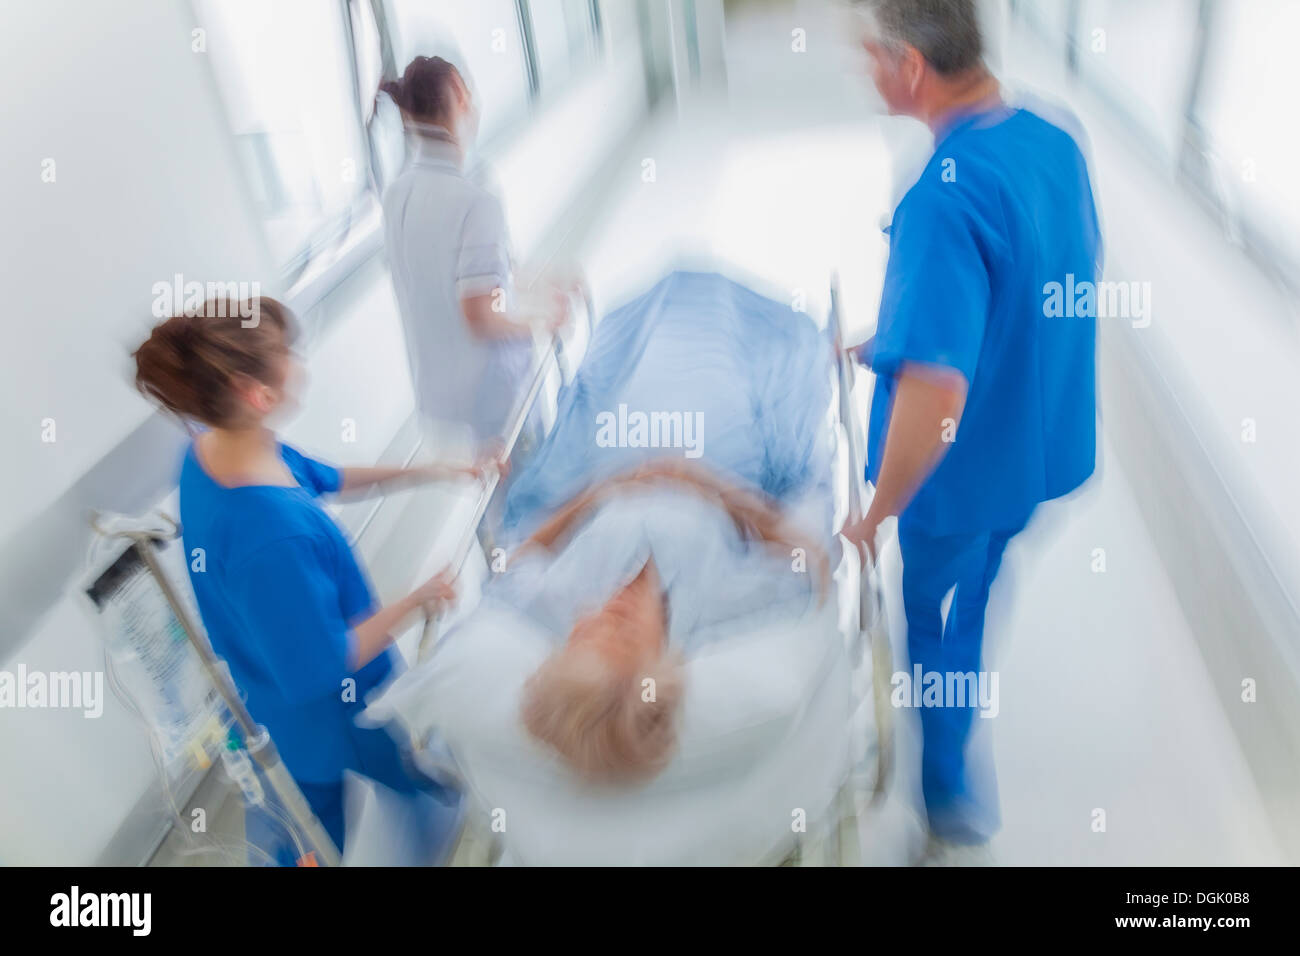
point(146, 184)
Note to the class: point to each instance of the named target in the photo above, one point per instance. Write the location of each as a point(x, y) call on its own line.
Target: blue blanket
point(698, 366)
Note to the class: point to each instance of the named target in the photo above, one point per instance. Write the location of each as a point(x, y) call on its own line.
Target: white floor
point(1107, 704)
point(1111, 746)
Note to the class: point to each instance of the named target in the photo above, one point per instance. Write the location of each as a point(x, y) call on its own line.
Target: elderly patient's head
point(593, 702)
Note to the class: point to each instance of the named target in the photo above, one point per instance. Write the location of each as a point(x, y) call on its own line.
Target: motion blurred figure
point(983, 407)
point(469, 346)
point(282, 596)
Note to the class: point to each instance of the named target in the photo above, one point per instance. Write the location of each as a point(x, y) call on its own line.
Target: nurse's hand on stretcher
point(437, 591)
point(864, 353)
point(548, 300)
point(491, 458)
point(373, 635)
point(543, 304)
point(546, 310)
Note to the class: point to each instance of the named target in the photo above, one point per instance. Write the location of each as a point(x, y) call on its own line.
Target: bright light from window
point(288, 87)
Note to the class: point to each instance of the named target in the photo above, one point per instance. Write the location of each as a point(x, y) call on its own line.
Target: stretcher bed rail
point(872, 627)
point(551, 358)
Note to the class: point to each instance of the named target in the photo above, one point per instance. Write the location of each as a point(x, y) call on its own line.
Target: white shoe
point(939, 852)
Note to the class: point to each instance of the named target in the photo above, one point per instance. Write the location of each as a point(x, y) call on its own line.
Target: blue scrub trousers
point(957, 782)
point(430, 811)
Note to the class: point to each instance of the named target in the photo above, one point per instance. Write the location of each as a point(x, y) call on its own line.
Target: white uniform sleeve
point(483, 263)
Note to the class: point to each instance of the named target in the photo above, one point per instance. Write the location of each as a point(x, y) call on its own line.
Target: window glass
point(618, 23)
point(564, 40)
point(1246, 109)
point(1050, 16)
point(365, 44)
point(1141, 53)
point(287, 83)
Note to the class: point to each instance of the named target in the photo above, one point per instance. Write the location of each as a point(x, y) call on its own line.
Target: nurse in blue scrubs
point(282, 596)
point(985, 403)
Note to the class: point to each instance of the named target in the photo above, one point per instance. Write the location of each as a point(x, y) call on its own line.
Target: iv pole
point(257, 741)
point(551, 357)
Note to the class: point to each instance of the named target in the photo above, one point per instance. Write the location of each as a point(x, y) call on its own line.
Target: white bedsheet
point(764, 744)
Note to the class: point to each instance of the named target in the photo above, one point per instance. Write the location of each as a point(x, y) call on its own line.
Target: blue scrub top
point(1003, 208)
point(278, 589)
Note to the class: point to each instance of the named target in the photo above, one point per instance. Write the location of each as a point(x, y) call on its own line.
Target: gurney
point(785, 729)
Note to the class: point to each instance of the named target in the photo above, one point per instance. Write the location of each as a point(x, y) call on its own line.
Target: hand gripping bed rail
point(552, 357)
point(872, 625)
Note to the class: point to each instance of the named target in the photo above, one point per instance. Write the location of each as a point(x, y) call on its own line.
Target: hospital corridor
point(682, 433)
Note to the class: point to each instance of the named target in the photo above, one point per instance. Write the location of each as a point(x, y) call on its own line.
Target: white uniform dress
point(446, 239)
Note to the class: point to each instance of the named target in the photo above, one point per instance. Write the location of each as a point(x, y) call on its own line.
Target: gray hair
point(945, 32)
point(599, 722)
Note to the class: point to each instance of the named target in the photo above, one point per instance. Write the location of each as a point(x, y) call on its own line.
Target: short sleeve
point(936, 293)
point(291, 610)
point(315, 476)
point(865, 353)
point(483, 262)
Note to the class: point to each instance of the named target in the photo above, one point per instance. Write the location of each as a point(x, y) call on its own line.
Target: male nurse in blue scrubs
point(983, 406)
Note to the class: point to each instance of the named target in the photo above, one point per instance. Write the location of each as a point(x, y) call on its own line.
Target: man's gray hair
point(946, 32)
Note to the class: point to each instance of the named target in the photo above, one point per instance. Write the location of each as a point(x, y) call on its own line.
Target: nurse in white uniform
point(449, 251)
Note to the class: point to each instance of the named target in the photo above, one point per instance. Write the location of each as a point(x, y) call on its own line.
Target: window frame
point(338, 247)
point(1196, 171)
point(538, 92)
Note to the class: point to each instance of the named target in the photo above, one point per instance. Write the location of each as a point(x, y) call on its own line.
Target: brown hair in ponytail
point(189, 363)
point(426, 91)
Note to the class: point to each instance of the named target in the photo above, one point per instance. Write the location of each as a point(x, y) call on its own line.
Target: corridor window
point(369, 54)
point(1053, 17)
point(1245, 112)
point(618, 23)
point(482, 37)
point(1141, 54)
point(564, 40)
point(286, 78)
point(382, 119)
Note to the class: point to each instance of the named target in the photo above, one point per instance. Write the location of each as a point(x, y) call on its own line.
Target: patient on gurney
point(680, 552)
point(648, 551)
point(640, 562)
